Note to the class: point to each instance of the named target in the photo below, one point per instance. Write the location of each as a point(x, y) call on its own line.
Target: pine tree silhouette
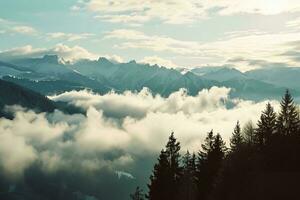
point(158, 187)
point(209, 163)
point(165, 180)
point(253, 169)
point(172, 151)
point(248, 133)
point(288, 118)
point(237, 139)
point(266, 126)
point(188, 185)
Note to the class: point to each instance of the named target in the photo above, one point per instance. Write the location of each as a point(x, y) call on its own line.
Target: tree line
point(262, 162)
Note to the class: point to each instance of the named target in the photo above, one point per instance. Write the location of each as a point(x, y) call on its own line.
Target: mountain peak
point(104, 60)
point(132, 62)
point(51, 59)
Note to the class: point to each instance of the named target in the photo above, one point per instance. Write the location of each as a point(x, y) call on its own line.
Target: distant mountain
point(256, 85)
point(48, 75)
point(255, 89)
point(12, 70)
point(224, 74)
point(135, 76)
point(200, 71)
point(12, 94)
point(281, 76)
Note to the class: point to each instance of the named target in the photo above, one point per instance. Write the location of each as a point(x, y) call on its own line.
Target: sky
point(174, 33)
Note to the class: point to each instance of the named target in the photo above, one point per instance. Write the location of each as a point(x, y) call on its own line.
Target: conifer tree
point(188, 185)
point(248, 132)
point(172, 151)
point(158, 187)
point(164, 182)
point(206, 147)
point(288, 119)
point(237, 139)
point(266, 126)
point(209, 163)
point(218, 152)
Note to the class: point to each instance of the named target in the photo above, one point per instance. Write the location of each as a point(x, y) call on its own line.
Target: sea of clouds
point(118, 129)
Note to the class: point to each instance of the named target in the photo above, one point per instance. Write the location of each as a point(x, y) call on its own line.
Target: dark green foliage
point(209, 163)
point(172, 151)
point(269, 169)
point(249, 133)
point(164, 182)
point(263, 162)
point(236, 140)
point(266, 127)
point(288, 118)
point(158, 187)
point(188, 183)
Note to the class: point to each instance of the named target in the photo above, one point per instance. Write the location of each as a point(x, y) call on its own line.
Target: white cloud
point(266, 7)
point(139, 40)
point(148, 120)
point(69, 53)
point(69, 36)
point(12, 27)
point(64, 51)
point(251, 44)
point(15, 154)
point(180, 11)
point(131, 11)
point(132, 19)
point(123, 126)
point(24, 30)
point(294, 24)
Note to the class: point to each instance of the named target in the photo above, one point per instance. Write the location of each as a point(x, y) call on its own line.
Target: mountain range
point(51, 75)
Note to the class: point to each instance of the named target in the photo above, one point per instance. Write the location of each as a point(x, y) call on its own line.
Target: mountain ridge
point(50, 76)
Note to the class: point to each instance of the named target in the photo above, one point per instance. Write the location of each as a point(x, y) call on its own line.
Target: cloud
point(255, 63)
point(132, 19)
point(267, 7)
point(132, 12)
point(11, 27)
point(293, 53)
point(139, 40)
point(295, 23)
point(64, 51)
point(179, 11)
point(142, 122)
point(272, 48)
point(69, 36)
point(24, 30)
point(15, 154)
point(69, 53)
point(117, 130)
point(250, 44)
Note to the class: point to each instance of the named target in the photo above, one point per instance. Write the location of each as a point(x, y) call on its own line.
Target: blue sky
point(174, 33)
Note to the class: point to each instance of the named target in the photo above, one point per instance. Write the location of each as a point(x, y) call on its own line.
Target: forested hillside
point(260, 163)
